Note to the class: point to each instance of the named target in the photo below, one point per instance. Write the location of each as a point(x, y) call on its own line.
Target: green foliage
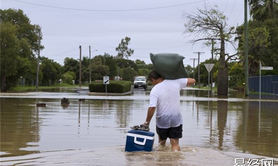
point(263, 9)
point(19, 43)
point(98, 71)
point(139, 62)
point(128, 73)
point(123, 50)
point(189, 70)
point(72, 65)
point(68, 77)
point(9, 54)
point(111, 63)
point(262, 35)
point(124, 63)
point(51, 71)
point(204, 72)
point(113, 87)
point(143, 72)
point(103, 65)
point(236, 74)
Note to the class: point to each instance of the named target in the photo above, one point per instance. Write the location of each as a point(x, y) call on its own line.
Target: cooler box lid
point(141, 132)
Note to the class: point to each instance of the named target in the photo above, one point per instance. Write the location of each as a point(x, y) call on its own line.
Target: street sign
point(106, 80)
point(266, 68)
point(209, 66)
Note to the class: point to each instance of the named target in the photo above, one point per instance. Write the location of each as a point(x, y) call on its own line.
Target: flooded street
point(93, 131)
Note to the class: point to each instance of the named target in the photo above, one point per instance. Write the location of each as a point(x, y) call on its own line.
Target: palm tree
point(263, 9)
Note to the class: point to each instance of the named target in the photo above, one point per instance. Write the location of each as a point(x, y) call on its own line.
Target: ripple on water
point(188, 156)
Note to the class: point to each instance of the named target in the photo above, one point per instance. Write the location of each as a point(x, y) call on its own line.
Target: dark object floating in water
point(41, 105)
point(64, 101)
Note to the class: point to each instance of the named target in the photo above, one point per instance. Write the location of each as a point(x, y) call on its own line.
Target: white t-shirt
point(165, 96)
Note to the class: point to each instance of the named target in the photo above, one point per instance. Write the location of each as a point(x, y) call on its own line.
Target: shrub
point(113, 87)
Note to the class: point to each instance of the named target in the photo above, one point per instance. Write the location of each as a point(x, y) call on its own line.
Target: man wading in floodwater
point(165, 98)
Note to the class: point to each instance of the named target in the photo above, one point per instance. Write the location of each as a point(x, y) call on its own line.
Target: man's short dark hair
point(154, 75)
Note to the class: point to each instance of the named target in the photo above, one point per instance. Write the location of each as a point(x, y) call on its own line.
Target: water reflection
point(123, 114)
point(257, 132)
point(19, 127)
point(89, 124)
point(222, 110)
point(242, 126)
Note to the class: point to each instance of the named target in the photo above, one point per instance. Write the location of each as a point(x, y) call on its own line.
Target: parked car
point(140, 81)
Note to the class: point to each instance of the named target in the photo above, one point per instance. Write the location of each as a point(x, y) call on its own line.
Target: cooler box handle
point(135, 136)
point(140, 143)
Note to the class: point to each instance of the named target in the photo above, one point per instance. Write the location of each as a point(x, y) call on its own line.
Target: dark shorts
point(173, 132)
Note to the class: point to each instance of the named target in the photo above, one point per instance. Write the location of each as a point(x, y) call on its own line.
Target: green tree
point(111, 63)
point(263, 9)
point(19, 44)
point(204, 72)
point(236, 74)
point(262, 35)
point(189, 70)
point(68, 77)
point(85, 70)
point(9, 54)
point(72, 65)
point(98, 71)
point(51, 71)
point(128, 74)
point(139, 62)
point(143, 72)
point(211, 25)
point(123, 50)
point(124, 63)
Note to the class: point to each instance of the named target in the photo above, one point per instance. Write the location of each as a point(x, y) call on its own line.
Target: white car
point(140, 81)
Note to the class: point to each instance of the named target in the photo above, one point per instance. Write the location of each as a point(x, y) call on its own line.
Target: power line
point(109, 10)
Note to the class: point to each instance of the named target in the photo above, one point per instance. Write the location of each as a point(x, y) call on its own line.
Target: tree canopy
point(123, 50)
point(211, 25)
point(19, 43)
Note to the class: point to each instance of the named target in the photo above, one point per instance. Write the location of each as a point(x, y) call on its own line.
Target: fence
point(269, 84)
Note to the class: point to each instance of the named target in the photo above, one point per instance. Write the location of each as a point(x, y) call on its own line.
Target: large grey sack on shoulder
point(169, 66)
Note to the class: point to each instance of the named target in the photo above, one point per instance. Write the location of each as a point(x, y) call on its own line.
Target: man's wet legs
point(162, 142)
point(175, 144)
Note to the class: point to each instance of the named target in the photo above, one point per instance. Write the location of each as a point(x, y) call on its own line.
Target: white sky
point(66, 24)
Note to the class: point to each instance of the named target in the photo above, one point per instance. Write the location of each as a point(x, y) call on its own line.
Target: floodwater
point(93, 131)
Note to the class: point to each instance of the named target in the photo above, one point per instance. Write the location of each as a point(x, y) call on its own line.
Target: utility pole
point(80, 65)
point(38, 62)
point(199, 53)
point(193, 65)
point(246, 49)
point(90, 66)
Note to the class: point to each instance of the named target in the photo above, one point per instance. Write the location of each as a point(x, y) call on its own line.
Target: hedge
point(113, 87)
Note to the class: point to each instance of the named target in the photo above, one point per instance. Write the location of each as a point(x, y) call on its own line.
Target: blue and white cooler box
point(138, 140)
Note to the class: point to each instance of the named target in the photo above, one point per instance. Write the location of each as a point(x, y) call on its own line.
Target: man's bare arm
point(190, 81)
point(151, 111)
